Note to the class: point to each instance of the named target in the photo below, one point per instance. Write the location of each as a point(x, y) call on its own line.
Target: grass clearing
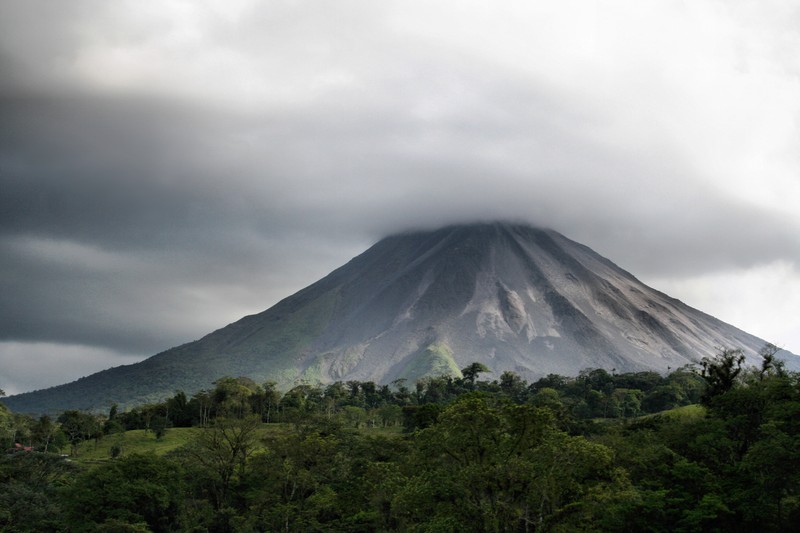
point(139, 441)
point(686, 412)
point(133, 441)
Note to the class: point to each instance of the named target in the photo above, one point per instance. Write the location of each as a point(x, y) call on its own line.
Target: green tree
point(662, 398)
point(115, 451)
point(770, 365)
point(6, 428)
point(390, 414)
point(629, 401)
point(78, 427)
point(45, 435)
point(131, 490)
point(548, 398)
point(720, 372)
point(222, 450)
point(299, 483)
point(179, 411)
point(354, 416)
point(29, 491)
point(266, 400)
point(506, 467)
point(159, 426)
point(471, 373)
point(420, 416)
point(232, 396)
point(300, 401)
point(513, 386)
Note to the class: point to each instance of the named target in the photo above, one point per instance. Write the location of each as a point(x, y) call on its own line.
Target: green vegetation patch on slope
point(436, 359)
point(330, 366)
point(313, 373)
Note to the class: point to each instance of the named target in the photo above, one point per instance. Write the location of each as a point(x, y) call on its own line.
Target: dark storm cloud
point(148, 174)
point(164, 171)
point(175, 196)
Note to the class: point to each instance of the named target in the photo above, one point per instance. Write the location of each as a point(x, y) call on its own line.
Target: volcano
point(513, 297)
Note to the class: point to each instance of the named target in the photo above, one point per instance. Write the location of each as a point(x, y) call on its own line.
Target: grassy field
point(134, 441)
point(687, 412)
point(139, 441)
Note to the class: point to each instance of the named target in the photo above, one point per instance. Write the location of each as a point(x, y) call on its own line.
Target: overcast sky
point(169, 167)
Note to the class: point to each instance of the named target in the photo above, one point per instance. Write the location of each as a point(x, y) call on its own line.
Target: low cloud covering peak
point(167, 168)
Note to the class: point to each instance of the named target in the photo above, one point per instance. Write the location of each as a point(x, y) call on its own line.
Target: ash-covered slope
point(510, 296)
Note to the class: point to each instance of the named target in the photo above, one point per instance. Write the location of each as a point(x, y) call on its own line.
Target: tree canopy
point(693, 451)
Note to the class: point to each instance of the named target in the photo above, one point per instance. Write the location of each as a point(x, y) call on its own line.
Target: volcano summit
point(510, 296)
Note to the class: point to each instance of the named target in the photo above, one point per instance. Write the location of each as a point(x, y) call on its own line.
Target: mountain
point(510, 296)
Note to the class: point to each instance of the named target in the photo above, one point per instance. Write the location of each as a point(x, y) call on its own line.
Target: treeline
point(593, 394)
point(560, 454)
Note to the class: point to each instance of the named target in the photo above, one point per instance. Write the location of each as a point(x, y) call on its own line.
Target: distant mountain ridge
point(508, 295)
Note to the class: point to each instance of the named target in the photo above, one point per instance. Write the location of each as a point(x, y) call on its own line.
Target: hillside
point(510, 296)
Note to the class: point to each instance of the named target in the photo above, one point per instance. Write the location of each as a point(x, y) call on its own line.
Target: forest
point(714, 447)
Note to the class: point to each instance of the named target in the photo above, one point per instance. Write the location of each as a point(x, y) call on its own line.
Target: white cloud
point(173, 165)
point(34, 365)
point(763, 300)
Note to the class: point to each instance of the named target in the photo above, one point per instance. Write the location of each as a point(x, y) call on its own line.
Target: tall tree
point(78, 427)
point(471, 372)
point(720, 372)
point(223, 449)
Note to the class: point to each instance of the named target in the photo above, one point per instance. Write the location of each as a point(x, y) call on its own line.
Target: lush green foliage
point(136, 489)
point(598, 452)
